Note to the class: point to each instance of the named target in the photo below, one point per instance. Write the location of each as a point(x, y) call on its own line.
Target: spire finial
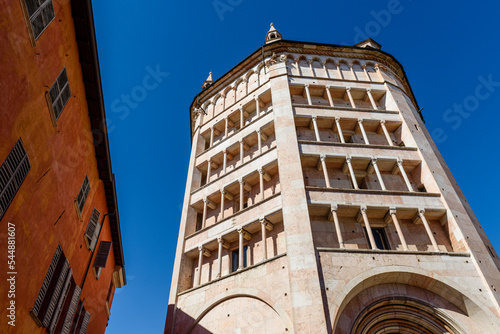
point(273, 35)
point(209, 80)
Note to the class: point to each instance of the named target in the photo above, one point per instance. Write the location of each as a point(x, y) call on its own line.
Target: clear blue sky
point(446, 49)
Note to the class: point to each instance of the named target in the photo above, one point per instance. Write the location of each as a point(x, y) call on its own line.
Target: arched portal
point(401, 315)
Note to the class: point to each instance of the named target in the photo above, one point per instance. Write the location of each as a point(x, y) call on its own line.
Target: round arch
point(251, 294)
point(445, 289)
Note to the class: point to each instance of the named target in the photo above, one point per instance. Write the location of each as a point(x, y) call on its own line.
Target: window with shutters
point(101, 257)
point(82, 197)
point(39, 14)
point(108, 298)
point(12, 174)
point(92, 231)
point(57, 300)
point(58, 96)
point(81, 320)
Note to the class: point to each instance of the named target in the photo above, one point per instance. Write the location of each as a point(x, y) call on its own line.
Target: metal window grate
point(12, 174)
point(82, 195)
point(41, 13)
point(60, 93)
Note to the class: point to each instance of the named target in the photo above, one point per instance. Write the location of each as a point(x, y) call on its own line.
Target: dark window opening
point(380, 238)
point(199, 221)
point(235, 258)
point(203, 180)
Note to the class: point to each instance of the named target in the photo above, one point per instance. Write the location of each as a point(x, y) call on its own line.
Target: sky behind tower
point(154, 56)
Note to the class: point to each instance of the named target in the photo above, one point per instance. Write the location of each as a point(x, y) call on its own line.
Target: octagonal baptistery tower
point(317, 202)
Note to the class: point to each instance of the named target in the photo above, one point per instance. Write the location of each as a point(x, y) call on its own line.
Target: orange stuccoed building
point(61, 248)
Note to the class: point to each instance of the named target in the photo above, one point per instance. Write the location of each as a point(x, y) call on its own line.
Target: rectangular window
point(58, 96)
point(380, 238)
point(108, 298)
point(235, 258)
point(70, 310)
point(93, 229)
point(101, 257)
point(12, 174)
point(81, 320)
point(57, 299)
point(82, 196)
point(40, 13)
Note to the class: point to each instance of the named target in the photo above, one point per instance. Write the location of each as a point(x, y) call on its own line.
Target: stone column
point(257, 106)
point(372, 100)
point(351, 172)
point(259, 140)
point(421, 213)
point(386, 133)
point(204, 219)
point(392, 212)
point(242, 150)
point(308, 94)
point(223, 96)
point(339, 129)
point(325, 171)
point(341, 76)
point(242, 195)
point(377, 171)
point(349, 95)
point(209, 170)
point(310, 61)
point(366, 73)
point(222, 198)
point(264, 239)
point(200, 263)
point(226, 127)
point(219, 257)
point(242, 118)
point(298, 66)
point(368, 228)
point(335, 216)
point(224, 163)
point(362, 128)
point(403, 173)
point(261, 182)
point(211, 136)
point(326, 69)
point(240, 249)
point(351, 68)
point(316, 130)
point(329, 94)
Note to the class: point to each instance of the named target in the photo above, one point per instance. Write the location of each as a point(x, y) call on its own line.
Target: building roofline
point(284, 43)
point(89, 61)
